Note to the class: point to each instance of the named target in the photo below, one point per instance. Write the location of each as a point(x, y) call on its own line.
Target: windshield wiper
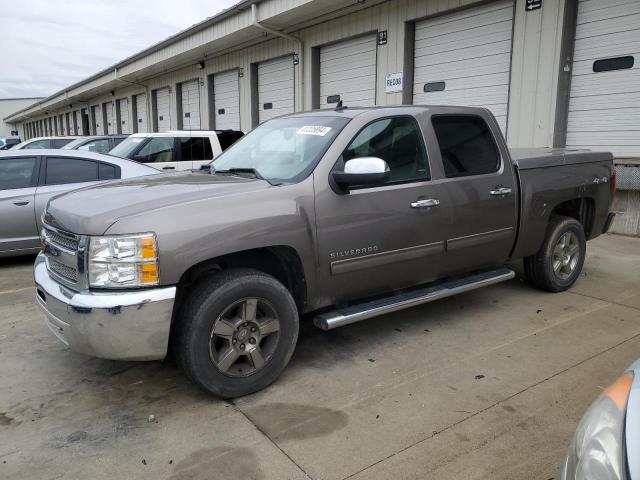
point(239, 171)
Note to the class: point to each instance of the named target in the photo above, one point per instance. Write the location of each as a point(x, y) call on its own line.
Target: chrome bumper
point(118, 325)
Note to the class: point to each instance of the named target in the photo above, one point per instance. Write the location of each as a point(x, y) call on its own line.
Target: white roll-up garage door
point(226, 100)
point(464, 58)
point(141, 113)
point(111, 126)
point(348, 72)
point(191, 105)
point(275, 88)
point(78, 117)
point(604, 104)
point(163, 105)
point(96, 113)
point(123, 108)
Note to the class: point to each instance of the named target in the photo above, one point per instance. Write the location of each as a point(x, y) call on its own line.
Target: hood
point(92, 210)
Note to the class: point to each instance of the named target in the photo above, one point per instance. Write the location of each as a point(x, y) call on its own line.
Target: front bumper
point(118, 325)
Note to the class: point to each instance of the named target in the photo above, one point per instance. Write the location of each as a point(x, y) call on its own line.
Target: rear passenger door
point(62, 174)
point(481, 191)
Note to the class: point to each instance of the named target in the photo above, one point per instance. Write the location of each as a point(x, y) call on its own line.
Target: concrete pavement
point(487, 385)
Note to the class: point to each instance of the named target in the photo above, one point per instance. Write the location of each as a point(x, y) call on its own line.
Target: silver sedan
point(29, 178)
point(606, 445)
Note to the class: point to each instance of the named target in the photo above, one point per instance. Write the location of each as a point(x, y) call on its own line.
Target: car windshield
point(283, 149)
point(127, 147)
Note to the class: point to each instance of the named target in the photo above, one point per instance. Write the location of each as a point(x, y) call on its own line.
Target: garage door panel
point(348, 70)
point(124, 116)
point(141, 113)
point(470, 51)
point(475, 18)
point(226, 90)
point(275, 87)
point(163, 113)
point(191, 105)
point(604, 107)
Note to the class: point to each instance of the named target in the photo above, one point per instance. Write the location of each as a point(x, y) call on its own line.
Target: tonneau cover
point(527, 158)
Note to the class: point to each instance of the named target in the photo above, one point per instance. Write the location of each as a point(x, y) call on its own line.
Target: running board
point(363, 311)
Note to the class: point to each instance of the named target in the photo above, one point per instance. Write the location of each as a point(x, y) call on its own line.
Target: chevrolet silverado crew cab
point(336, 216)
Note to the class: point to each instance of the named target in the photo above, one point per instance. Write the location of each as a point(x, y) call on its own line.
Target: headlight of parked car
point(597, 451)
point(123, 261)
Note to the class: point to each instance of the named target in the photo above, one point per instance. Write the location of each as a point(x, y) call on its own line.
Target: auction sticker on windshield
point(313, 130)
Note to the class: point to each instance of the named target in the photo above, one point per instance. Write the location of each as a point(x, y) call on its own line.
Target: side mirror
point(361, 171)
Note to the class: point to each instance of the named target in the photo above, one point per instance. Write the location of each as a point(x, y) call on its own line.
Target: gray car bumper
point(118, 325)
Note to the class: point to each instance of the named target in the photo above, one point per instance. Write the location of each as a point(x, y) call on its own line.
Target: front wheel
point(558, 263)
point(236, 332)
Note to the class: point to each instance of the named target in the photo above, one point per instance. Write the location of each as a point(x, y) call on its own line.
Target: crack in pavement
point(239, 410)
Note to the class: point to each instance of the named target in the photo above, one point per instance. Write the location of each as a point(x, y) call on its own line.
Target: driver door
point(374, 240)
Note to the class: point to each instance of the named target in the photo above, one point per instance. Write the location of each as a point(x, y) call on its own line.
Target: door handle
point(429, 202)
point(499, 191)
point(168, 168)
point(21, 203)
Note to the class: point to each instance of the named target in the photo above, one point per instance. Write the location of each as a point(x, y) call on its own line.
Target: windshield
point(127, 147)
point(73, 145)
point(283, 149)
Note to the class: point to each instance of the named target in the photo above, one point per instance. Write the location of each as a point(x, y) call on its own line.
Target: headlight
point(597, 451)
point(123, 261)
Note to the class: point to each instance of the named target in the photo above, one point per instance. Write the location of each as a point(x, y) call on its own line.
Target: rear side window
point(466, 145)
point(60, 142)
point(100, 146)
point(70, 170)
point(195, 148)
point(17, 173)
point(228, 138)
point(107, 171)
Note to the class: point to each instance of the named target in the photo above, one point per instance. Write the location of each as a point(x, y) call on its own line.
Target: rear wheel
point(558, 263)
point(236, 332)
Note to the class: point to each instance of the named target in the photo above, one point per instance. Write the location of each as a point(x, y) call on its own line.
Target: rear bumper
point(119, 325)
point(608, 222)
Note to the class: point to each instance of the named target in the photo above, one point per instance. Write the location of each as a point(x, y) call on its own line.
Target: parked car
point(607, 442)
point(177, 150)
point(7, 142)
point(338, 215)
point(29, 179)
point(43, 142)
point(96, 143)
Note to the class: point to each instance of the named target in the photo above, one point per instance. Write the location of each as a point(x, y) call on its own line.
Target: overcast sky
point(50, 44)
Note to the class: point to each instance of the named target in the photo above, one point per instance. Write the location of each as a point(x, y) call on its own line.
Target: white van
point(176, 150)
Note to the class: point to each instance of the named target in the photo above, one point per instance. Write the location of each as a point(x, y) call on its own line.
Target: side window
point(60, 142)
point(70, 170)
point(158, 149)
point(100, 146)
point(398, 141)
point(17, 173)
point(466, 144)
point(192, 148)
point(107, 171)
point(37, 144)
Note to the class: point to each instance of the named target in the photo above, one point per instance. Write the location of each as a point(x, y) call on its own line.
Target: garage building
point(554, 73)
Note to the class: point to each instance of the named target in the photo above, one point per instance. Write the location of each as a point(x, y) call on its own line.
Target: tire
point(542, 269)
point(226, 300)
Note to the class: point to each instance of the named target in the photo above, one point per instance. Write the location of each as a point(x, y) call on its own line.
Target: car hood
point(92, 210)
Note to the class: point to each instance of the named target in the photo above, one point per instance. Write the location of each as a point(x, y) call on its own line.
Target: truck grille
point(65, 240)
point(61, 255)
